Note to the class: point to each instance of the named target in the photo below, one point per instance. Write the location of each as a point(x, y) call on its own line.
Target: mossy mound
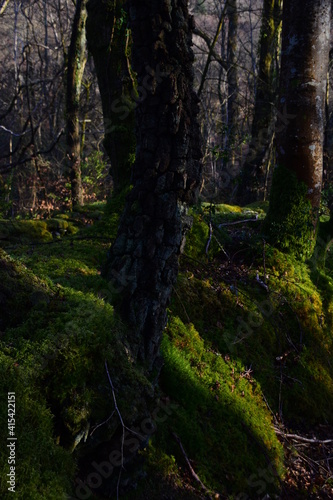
point(24, 231)
point(58, 340)
point(224, 404)
point(42, 469)
point(248, 344)
point(20, 290)
point(274, 313)
point(27, 232)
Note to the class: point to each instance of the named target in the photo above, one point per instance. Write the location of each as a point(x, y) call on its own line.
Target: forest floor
point(247, 357)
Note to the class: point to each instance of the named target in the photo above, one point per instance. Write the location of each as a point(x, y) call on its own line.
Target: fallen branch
point(238, 222)
point(301, 438)
point(193, 473)
point(124, 427)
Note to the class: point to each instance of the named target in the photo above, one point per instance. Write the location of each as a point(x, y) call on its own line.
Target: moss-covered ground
point(247, 351)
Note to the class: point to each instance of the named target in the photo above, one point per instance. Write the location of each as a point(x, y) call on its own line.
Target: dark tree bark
point(75, 69)
point(253, 184)
point(109, 42)
point(143, 262)
point(297, 181)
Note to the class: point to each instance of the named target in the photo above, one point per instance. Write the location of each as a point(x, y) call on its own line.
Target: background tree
point(253, 183)
point(143, 261)
point(109, 42)
point(35, 37)
point(211, 46)
point(77, 59)
point(232, 125)
point(296, 190)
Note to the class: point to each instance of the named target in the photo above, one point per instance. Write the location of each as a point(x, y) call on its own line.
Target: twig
point(262, 283)
point(210, 237)
point(103, 423)
point(182, 303)
point(301, 438)
point(221, 247)
point(238, 222)
point(122, 424)
point(194, 474)
point(269, 408)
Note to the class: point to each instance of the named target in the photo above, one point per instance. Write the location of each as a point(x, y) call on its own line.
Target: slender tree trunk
point(109, 41)
point(75, 69)
point(143, 262)
point(232, 79)
point(254, 172)
point(328, 142)
point(297, 181)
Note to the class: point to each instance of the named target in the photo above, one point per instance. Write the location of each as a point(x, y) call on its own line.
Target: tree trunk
point(143, 262)
point(232, 79)
point(328, 141)
point(109, 42)
point(75, 70)
point(255, 170)
point(297, 181)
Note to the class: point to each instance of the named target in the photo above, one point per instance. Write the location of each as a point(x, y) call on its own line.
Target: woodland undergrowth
point(247, 361)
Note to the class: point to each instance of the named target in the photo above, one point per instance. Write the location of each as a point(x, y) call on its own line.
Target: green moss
point(196, 239)
point(225, 409)
point(24, 231)
point(42, 469)
point(59, 339)
point(289, 222)
point(229, 347)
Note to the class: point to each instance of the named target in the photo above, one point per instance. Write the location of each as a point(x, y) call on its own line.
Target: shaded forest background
point(35, 167)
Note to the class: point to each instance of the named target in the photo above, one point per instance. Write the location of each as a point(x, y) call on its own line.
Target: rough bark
point(299, 143)
point(253, 185)
point(75, 69)
point(143, 262)
point(109, 42)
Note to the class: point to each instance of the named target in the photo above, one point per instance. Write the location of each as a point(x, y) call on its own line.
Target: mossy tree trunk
point(75, 69)
point(109, 41)
point(296, 189)
point(143, 261)
point(253, 184)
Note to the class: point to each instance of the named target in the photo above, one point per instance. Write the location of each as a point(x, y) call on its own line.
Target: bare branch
point(3, 7)
point(302, 438)
point(215, 55)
